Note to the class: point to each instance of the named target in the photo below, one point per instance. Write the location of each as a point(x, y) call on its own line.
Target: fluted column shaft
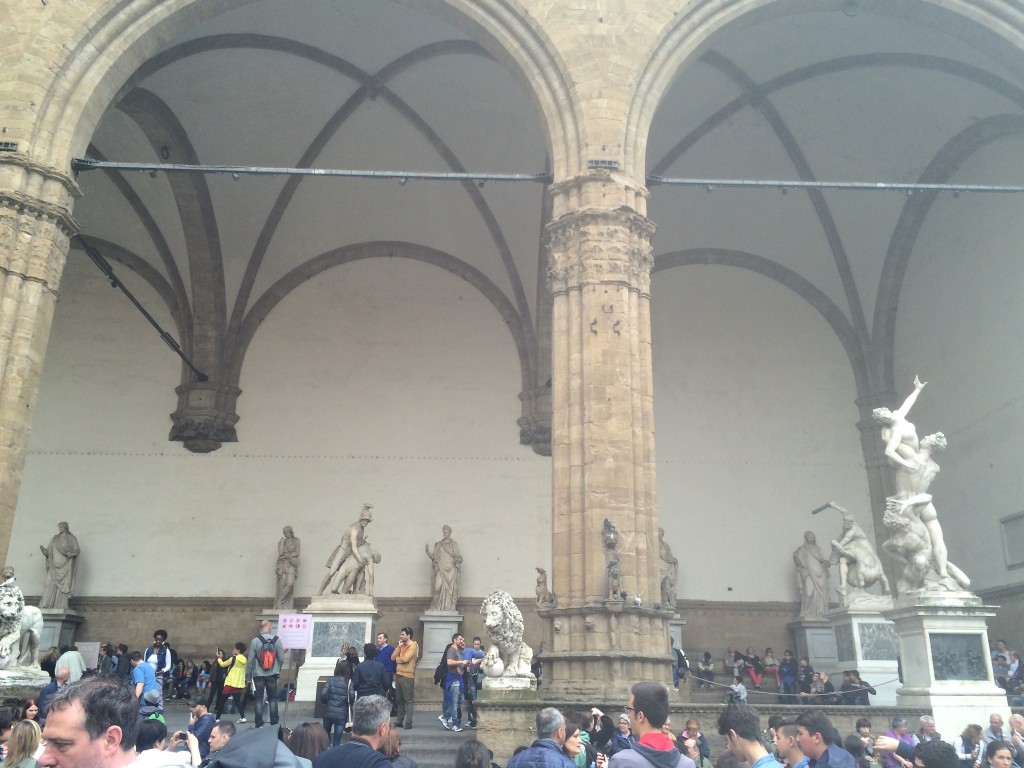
point(602, 445)
point(35, 230)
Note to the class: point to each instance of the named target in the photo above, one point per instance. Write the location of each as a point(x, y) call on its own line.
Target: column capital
point(596, 246)
point(206, 415)
point(31, 188)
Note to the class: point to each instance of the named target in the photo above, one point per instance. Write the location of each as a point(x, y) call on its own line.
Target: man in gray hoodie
point(263, 679)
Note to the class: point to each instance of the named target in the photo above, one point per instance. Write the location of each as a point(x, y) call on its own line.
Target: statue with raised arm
point(859, 566)
point(811, 577)
point(913, 470)
point(669, 571)
point(61, 565)
point(447, 567)
point(349, 550)
point(287, 570)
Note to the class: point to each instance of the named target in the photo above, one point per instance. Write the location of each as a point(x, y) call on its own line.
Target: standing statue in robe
point(287, 570)
point(811, 578)
point(669, 571)
point(447, 564)
point(61, 564)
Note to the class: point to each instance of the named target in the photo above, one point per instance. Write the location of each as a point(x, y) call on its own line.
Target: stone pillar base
point(946, 664)
point(438, 628)
point(867, 642)
point(59, 628)
point(336, 620)
point(816, 640)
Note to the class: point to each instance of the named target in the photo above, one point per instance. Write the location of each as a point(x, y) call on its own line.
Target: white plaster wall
point(755, 427)
point(387, 381)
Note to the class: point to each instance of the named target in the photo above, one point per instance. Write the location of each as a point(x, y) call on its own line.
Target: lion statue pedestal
point(506, 664)
point(20, 629)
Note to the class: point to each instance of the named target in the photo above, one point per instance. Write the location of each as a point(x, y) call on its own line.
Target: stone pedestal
point(438, 628)
point(336, 620)
point(943, 641)
point(816, 640)
point(497, 686)
point(59, 628)
point(867, 641)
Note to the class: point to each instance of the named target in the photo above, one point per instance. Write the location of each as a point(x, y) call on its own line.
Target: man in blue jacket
point(546, 751)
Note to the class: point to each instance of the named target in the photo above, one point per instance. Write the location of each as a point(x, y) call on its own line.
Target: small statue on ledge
point(614, 580)
point(545, 597)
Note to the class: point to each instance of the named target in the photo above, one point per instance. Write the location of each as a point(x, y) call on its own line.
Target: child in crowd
point(203, 678)
point(737, 691)
point(706, 671)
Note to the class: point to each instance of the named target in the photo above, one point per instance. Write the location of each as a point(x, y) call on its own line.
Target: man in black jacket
point(370, 677)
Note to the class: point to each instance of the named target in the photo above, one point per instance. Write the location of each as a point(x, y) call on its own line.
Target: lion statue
point(21, 627)
point(509, 656)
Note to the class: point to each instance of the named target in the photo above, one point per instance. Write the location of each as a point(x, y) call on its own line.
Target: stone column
point(35, 228)
point(602, 442)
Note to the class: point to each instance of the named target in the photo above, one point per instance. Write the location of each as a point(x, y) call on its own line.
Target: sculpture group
point(916, 539)
point(350, 566)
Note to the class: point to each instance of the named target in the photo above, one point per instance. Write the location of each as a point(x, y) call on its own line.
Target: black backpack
point(441, 673)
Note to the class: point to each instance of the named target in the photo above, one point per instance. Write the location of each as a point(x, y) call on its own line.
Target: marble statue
point(350, 555)
point(356, 576)
point(913, 470)
point(61, 564)
point(859, 566)
point(287, 570)
point(508, 656)
point(811, 578)
point(614, 580)
point(545, 597)
point(447, 564)
point(21, 626)
point(910, 544)
point(669, 571)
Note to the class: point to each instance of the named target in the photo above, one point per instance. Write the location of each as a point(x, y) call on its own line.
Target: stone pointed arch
point(383, 249)
point(999, 27)
point(121, 36)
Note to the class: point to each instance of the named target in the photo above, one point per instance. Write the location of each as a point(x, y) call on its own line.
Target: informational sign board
point(90, 653)
point(294, 630)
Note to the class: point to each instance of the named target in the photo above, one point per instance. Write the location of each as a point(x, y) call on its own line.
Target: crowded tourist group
point(96, 723)
point(116, 718)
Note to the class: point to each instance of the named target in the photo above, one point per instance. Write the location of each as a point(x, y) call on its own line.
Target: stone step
point(430, 745)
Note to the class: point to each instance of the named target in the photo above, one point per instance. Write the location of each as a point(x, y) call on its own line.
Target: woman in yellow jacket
point(234, 683)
